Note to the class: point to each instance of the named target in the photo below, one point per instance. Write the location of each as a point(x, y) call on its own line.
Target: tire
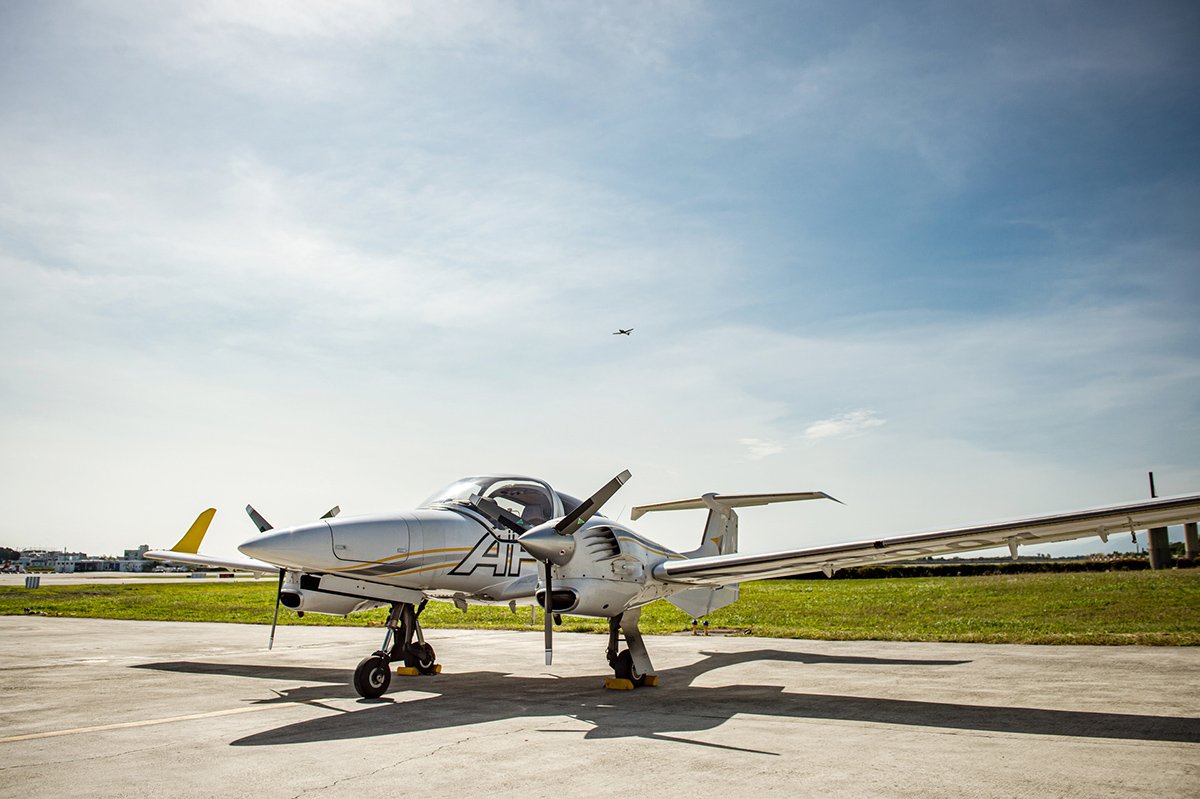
point(372, 677)
point(625, 670)
point(422, 659)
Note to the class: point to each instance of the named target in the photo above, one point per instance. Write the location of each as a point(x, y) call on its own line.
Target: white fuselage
point(455, 553)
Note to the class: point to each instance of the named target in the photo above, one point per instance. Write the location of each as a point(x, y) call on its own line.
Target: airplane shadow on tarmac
point(675, 707)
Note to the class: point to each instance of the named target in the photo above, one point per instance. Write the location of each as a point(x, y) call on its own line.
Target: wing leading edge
point(723, 569)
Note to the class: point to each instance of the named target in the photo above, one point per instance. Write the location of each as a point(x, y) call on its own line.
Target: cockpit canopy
point(527, 498)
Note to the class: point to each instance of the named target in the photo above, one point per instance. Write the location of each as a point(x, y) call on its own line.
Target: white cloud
point(757, 448)
point(853, 423)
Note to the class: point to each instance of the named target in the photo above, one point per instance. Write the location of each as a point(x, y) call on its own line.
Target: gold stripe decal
point(374, 571)
point(403, 555)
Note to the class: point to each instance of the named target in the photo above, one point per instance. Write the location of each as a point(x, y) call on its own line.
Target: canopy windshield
point(530, 500)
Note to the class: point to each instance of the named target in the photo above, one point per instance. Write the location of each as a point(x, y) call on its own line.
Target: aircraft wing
point(196, 559)
point(187, 550)
point(1112, 519)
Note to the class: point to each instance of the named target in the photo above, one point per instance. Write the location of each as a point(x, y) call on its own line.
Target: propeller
point(548, 614)
point(580, 516)
point(553, 543)
point(275, 621)
point(263, 526)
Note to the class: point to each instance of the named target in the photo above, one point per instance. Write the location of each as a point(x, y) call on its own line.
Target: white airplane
point(481, 540)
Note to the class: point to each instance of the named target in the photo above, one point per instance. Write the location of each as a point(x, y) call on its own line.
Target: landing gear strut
point(631, 666)
point(404, 642)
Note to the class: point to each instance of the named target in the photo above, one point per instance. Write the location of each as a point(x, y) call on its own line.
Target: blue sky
point(940, 261)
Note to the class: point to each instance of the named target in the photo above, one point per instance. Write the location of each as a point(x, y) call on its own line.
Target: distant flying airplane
point(480, 540)
point(623, 332)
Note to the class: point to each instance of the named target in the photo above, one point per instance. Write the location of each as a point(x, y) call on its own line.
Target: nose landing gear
point(404, 642)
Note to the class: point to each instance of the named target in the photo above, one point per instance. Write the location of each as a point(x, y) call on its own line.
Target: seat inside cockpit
point(529, 502)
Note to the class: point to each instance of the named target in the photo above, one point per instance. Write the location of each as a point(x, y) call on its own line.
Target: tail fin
point(190, 543)
point(721, 529)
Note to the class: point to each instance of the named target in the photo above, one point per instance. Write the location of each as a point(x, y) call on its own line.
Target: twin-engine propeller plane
point(517, 541)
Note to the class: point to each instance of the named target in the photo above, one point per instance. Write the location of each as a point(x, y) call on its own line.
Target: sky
point(939, 259)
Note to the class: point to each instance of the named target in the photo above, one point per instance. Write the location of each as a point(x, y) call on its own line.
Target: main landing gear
point(404, 642)
point(631, 666)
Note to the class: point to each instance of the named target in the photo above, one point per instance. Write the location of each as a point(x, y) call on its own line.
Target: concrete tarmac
point(92, 708)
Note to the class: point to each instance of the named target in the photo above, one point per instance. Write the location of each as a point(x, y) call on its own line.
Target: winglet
point(190, 543)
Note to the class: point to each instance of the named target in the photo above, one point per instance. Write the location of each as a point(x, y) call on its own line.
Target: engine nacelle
point(591, 597)
point(564, 600)
point(306, 601)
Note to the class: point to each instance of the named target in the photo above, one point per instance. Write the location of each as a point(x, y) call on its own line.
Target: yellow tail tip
point(190, 543)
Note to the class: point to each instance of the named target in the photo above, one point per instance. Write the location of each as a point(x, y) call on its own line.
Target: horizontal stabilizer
point(729, 501)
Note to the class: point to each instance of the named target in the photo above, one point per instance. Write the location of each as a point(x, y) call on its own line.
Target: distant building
point(48, 558)
point(76, 565)
point(65, 562)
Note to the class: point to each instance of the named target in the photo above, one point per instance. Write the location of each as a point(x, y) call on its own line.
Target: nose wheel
point(404, 643)
point(372, 677)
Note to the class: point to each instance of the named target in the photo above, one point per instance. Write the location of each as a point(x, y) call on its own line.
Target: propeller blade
point(579, 517)
point(275, 621)
point(492, 510)
point(549, 616)
point(262, 524)
point(553, 543)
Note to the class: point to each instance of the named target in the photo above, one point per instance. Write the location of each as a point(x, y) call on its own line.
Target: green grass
point(1158, 608)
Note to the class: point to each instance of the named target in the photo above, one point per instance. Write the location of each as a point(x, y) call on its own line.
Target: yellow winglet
point(190, 542)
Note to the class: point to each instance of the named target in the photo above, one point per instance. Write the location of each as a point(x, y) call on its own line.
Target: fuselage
point(451, 549)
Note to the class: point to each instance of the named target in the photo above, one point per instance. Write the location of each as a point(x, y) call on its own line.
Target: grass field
point(1157, 608)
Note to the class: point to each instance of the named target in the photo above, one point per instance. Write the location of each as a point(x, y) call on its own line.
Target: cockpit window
point(458, 491)
point(529, 501)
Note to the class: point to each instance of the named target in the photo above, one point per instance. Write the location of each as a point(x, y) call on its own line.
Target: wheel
point(421, 658)
point(625, 670)
point(372, 677)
